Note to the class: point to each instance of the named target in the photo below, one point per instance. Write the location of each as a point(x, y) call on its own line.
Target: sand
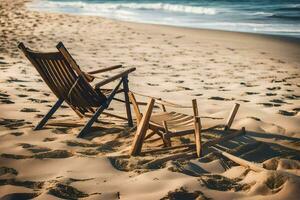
point(218, 68)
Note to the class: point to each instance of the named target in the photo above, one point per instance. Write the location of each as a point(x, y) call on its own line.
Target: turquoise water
point(276, 17)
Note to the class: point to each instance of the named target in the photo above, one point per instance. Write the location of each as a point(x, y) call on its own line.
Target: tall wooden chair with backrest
point(71, 85)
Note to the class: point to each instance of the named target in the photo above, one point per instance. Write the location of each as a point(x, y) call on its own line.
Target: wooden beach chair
point(71, 85)
point(173, 124)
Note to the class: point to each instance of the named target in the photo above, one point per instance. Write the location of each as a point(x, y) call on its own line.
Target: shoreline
point(279, 36)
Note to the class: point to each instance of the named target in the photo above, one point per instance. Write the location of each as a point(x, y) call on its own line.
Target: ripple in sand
point(27, 184)
point(221, 183)
point(55, 154)
point(13, 123)
point(75, 143)
point(66, 192)
point(184, 194)
point(20, 196)
point(8, 170)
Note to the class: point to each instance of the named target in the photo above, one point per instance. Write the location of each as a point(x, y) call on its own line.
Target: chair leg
point(89, 124)
point(197, 126)
point(141, 130)
point(232, 116)
point(49, 114)
point(127, 103)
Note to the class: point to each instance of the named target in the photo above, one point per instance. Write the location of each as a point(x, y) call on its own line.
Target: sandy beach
point(218, 68)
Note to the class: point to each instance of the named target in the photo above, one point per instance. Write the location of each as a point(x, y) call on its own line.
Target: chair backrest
point(64, 77)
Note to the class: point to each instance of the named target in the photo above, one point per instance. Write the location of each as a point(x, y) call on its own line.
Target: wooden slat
point(115, 77)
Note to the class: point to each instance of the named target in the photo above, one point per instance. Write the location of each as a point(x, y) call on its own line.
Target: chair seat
point(176, 122)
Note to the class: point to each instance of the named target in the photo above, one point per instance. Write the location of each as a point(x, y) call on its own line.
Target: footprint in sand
point(49, 139)
point(274, 88)
point(74, 143)
point(7, 171)
point(222, 183)
point(4, 98)
point(22, 95)
point(20, 195)
point(220, 99)
point(38, 100)
point(17, 133)
point(152, 84)
point(34, 148)
point(55, 154)
point(251, 93)
point(269, 104)
point(13, 123)
point(278, 101)
point(292, 97)
point(247, 84)
point(287, 113)
point(14, 80)
point(65, 191)
point(29, 110)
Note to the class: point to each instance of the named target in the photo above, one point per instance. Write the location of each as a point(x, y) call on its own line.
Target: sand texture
point(217, 68)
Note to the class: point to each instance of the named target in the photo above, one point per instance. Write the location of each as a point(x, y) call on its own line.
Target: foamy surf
point(280, 18)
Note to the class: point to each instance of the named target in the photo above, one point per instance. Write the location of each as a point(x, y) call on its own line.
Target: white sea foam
point(137, 6)
point(167, 14)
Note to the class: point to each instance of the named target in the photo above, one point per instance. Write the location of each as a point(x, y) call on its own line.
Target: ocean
point(275, 17)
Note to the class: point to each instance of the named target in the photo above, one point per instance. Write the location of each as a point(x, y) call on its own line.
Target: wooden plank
point(141, 130)
point(115, 77)
point(232, 116)
point(253, 166)
point(105, 69)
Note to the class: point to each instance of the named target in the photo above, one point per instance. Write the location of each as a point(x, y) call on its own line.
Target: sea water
point(276, 17)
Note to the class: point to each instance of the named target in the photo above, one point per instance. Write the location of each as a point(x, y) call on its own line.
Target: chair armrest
point(105, 69)
point(115, 77)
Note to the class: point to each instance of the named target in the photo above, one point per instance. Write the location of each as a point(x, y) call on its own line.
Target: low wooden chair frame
point(71, 85)
point(145, 122)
